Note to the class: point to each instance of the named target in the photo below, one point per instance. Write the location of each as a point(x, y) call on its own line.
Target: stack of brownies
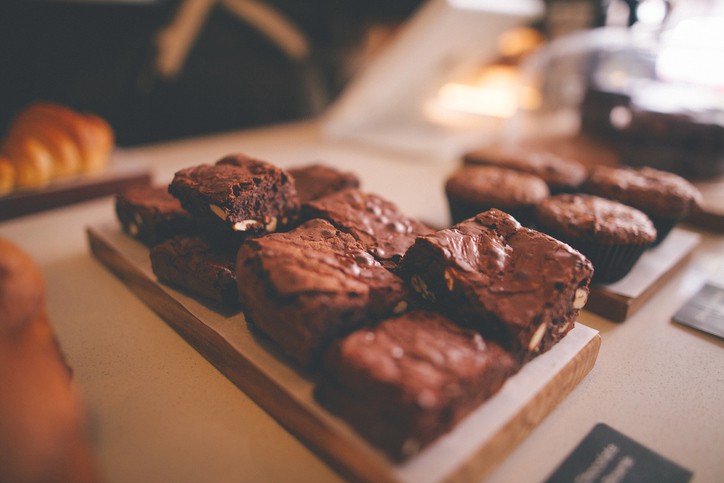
point(406, 329)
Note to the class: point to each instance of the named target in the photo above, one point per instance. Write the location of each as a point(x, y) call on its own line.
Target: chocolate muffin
point(665, 197)
point(610, 234)
point(562, 175)
point(473, 189)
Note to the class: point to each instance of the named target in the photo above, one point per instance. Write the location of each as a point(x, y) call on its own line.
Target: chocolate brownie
point(376, 223)
point(151, 214)
point(515, 285)
point(561, 174)
point(411, 378)
point(473, 189)
point(665, 197)
point(198, 266)
point(238, 195)
point(308, 286)
point(317, 180)
point(612, 235)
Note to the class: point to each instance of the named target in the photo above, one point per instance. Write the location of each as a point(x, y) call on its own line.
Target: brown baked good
point(665, 197)
point(7, 175)
point(612, 235)
point(378, 224)
point(411, 378)
point(515, 285)
point(317, 180)
point(473, 189)
point(22, 290)
point(42, 427)
point(562, 174)
point(47, 140)
point(237, 195)
point(198, 266)
point(151, 214)
point(311, 285)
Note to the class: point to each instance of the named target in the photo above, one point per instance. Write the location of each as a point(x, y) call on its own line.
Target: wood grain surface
point(470, 451)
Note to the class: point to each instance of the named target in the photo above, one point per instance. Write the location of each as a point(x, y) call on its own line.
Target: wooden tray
point(116, 177)
point(471, 450)
point(618, 301)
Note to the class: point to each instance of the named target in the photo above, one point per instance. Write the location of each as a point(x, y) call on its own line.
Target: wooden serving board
point(620, 300)
point(116, 177)
point(471, 450)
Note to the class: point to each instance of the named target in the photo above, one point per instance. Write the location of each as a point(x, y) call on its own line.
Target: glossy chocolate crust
point(376, 223)
point(588, 217)
point(311, 285)
point(656, 193)
point(561, 174)
point(238, 195)
point(197, 266)
point(515, 285)
point(151, 214)
point(317, 180)
point(410, 379)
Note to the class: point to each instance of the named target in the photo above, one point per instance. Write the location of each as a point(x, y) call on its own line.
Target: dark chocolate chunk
point(513, 284)
point(198, 266)
point(308, 286)
point(376, 223)
point(317, 180)
point(411, 378)
point(238, 195)
point(151, 214)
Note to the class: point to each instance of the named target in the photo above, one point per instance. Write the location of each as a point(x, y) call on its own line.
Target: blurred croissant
point(47, 141)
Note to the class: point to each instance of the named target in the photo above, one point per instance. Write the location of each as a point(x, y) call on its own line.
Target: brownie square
point(238, 195)
point(308, 286)
point(376, 223)
point(151, 214)
point(411, 378)
point(515, 285)
point(198, 266)
point(317, 180)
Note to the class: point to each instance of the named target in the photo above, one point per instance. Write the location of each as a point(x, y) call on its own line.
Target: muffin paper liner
point(663, 226)
point(610, 262)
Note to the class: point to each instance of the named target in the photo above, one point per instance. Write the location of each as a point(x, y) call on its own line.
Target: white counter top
point(160, 412)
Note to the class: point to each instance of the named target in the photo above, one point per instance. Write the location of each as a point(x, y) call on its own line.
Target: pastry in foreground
point(317, 180)
point(410, 379)
point(473, 189)
point(308, 286)
point(237, 195)
point(515, 285)
point(666, 198)
point(561, 174)
point(151, 214)
point(43, 431)
point(198, 266)
point(612, 235)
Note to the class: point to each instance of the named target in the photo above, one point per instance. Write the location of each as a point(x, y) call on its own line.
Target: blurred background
point(643, 76)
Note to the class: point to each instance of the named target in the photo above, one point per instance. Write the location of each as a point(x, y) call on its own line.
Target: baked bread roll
point(7, 175)
point(47, 141)
point(42, 428)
